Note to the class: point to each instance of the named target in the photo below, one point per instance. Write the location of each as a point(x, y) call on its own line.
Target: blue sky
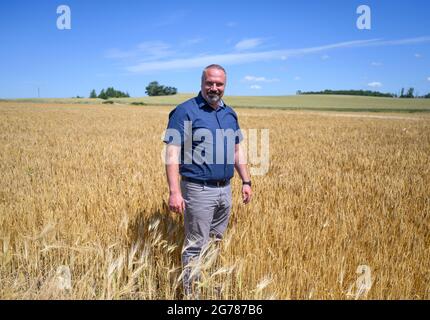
point(268, 47)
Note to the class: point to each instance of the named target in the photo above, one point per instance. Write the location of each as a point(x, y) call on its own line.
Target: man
point(204, 134)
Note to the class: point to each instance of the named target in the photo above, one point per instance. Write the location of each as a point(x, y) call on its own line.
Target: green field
point(303, 102)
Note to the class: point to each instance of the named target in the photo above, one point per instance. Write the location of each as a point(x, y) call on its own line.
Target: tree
point(410, 93)
point(152, 89)
point(170, 91)
point(103, 95)
point(155, 89)
point(112, 93)
point(93, 94)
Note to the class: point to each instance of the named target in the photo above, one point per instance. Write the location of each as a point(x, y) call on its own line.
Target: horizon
point(226, 96)
point(271, 49)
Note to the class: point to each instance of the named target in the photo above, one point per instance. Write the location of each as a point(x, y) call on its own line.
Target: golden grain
point(83, 187)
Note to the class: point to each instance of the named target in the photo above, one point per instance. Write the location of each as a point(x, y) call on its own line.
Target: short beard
point(213, 98)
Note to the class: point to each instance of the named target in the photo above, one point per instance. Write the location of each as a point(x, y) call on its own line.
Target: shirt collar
point(201, 102)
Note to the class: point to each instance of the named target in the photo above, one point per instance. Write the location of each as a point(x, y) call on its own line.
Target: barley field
point(83, 211)
point(295, 102)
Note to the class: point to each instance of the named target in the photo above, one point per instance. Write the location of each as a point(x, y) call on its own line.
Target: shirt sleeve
point(239, 135)
point(175, 128)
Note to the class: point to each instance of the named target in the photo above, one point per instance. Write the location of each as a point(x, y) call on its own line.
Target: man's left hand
point(246, 193)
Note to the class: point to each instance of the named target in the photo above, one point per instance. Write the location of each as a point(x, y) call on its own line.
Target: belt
point(210, 183)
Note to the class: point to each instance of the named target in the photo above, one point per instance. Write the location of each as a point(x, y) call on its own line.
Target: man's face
point(213, 85)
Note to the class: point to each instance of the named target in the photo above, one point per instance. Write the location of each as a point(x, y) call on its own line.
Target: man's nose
point(214, 87)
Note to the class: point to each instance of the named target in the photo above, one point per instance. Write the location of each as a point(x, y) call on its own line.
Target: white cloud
point(284, 58)
point(231, 24)
point(255, 87)
point(154, 48)
point(402, 41)
point(246, 57)
point(115, 53)
point(325, 57)
point(417, 55)
point(297, 78)
point(235, 58)
point(259, 79)
point(376, 64)
point(149, 50)
point(375, 84)
point(428, 79)
point(248, 44)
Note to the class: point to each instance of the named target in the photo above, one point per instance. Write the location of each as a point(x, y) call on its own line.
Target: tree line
point(404, 93)
point(109, 93)
point(152, 89)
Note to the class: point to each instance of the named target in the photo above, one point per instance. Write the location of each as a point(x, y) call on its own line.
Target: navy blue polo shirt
point(207, 138)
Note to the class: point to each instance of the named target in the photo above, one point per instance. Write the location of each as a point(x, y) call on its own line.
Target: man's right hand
point(176, 203)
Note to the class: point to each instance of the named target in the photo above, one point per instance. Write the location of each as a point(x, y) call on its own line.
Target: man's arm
point(176, 202)
point(242, 170)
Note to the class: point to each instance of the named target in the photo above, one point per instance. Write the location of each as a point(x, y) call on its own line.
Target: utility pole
point(38, 92)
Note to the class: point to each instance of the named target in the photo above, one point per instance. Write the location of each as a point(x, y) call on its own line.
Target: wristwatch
point(247, 183)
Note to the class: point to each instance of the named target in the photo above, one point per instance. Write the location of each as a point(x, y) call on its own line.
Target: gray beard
point(213, 98)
